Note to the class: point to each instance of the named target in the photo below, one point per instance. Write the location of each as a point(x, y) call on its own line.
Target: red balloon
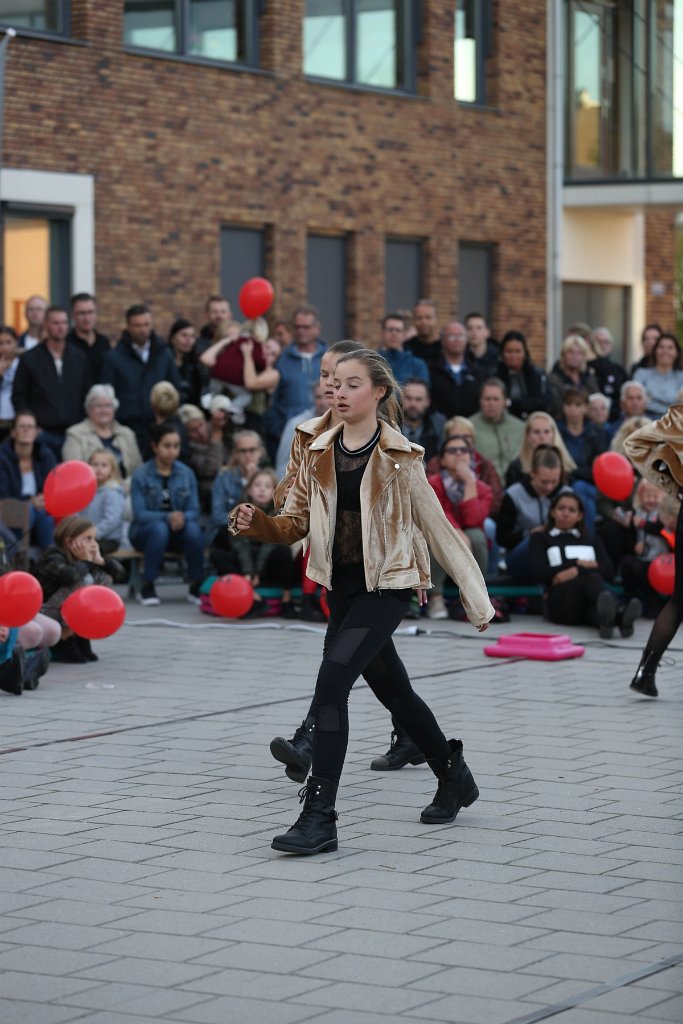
point(21, 597)
point(661, 574)
point(256, 297)
point(232, 596)
point(69, 487)
point(94, 612)
point(613, 475)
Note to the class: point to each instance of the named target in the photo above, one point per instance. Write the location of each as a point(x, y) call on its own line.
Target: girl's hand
point(421, 597)
point(482, 629)
point(244, 516)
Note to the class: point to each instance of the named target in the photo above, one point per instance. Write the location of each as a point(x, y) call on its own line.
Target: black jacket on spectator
point(56, 402)
point(543, 571)
point(610, 377)
point(509, 532)
point(430, 433)
point(430, 353)
point(584, 451)
point(533, 382)
point(454, 396)
point(133, 380)
point(10, 473)
point(93, 353)
point(484, 366)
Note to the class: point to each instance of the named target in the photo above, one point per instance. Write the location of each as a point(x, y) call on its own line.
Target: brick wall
point(177, 149)
point(660, 258)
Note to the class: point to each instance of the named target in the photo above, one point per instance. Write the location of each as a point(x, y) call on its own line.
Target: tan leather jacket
point(394, 497)
point(657, 451)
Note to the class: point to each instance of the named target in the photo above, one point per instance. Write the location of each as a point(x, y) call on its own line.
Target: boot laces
point(300, 733)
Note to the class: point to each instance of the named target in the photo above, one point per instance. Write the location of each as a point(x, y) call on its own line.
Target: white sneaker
point(436, 609)
point(148, 595)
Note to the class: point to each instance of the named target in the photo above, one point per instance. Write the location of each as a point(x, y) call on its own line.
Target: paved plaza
point(139, 800)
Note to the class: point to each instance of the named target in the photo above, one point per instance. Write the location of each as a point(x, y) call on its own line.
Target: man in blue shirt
point(404, 364)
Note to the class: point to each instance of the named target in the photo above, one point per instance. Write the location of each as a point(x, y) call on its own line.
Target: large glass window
point(471, 48)
point(603, 305)
point(38, 15)
point(37, 259)
point(220, 30)
point(368, 42)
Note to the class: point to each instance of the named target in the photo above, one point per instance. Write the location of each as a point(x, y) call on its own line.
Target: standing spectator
point(101, 429)
point(422, 424)
point(648, 337)
point(540, 428)
point(455, 388)
point(140, 359)
point(283, 332)
point(425, 343)
point(299, 367)
point(24, 465)
point(404, 364)
point(610, 375)
point(9, 361)
point(571, 371)
point(166, 514)
point(105, 511)
point(482, 351)
point(84, 334)
point(52, 381)
point(218, 313)
point(664, 378)
point(584, 442)
point(182, 339)
point(34, 311)
point(526, 384)
point(498, 434)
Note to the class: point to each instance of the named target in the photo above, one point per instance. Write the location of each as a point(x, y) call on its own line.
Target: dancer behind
point(296, 753)
point(657, 453)
point(360, 488)
point(574, 567)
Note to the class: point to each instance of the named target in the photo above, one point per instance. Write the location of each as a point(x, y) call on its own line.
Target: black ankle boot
point(402, 751)
point(12, 673)
point(627, 615)
point(315, 831)
point(296, 753)
point(644, 679)
point(607, 614)
point(86, 650)
point(69, 652)
point(36, 665)
point(456, 787)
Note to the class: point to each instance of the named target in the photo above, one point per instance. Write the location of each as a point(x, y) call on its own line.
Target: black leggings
point(574, 603)
point(358, 640)
point(671, 615)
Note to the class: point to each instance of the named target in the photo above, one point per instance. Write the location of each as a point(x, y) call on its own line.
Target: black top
point(554, 550)
point(55, 401)
point(93, 353)
point(347, 550)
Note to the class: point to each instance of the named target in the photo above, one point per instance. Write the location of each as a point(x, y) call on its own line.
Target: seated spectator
point(610, 375)
point(248, 455)
point(455, 386)
point(106, 509)
point(166, 514)
point(571, 371)
point(9, 361)
point(422, 424)
point(584, 442)
point(466, 502)
point(525, 507)
point(654, 514)
point(574, 568)
point(194, 379)
point(648, 337)
point(540, 428)
point(498, 434)
point(615, 518)
point(18, 670)
point(526, 384)
point(208, 451)
point(101, 429)
point(24, 465)
point(165, 401)
point(632, 402)
point(73, 562)
point(225, 361)
point(263, 564)
point(599, 411)
point(404, 364)
point(664, 378)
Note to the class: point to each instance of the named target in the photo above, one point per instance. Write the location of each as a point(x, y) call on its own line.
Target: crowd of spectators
point(180, 428)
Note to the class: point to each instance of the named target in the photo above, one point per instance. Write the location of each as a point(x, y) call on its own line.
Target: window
point(36, 256)
point(366, 42)
point(242, 257)
point(402, 273)
point(214, 30)
point(471, 48)
point(326, 283)
point(36, 15)
point(603, 305)
point(475, 278)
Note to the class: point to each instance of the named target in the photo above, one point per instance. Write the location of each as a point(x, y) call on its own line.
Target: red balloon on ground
point(613, 475)
point(256, 296)
point(661, 574)
point(232, 596)
point(21, 597)
point(94, 612)
point(69, 487)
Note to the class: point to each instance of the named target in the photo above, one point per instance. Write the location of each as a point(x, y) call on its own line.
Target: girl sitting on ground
point(74, 561)
point(105, 511)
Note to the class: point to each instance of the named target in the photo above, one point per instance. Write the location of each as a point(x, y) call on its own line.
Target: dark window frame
point(483, 37)
point(253, 9)
point(408, 39)
point(47, 33)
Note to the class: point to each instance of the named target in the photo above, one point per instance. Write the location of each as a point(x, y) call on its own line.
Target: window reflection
point(325, 39)
point(151, 24)
point(465, 52)
point(216, 30)
point(42, 15)
point(376, 43)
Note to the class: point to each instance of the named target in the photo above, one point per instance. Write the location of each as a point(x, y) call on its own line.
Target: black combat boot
point(456, 787)
point(296, 753)
point(12, 673)
point(402, 751)
point(36, 665)
point(644, 680)
point(315, 831)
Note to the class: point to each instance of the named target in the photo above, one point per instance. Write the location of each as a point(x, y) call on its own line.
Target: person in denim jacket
point(166, 513)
